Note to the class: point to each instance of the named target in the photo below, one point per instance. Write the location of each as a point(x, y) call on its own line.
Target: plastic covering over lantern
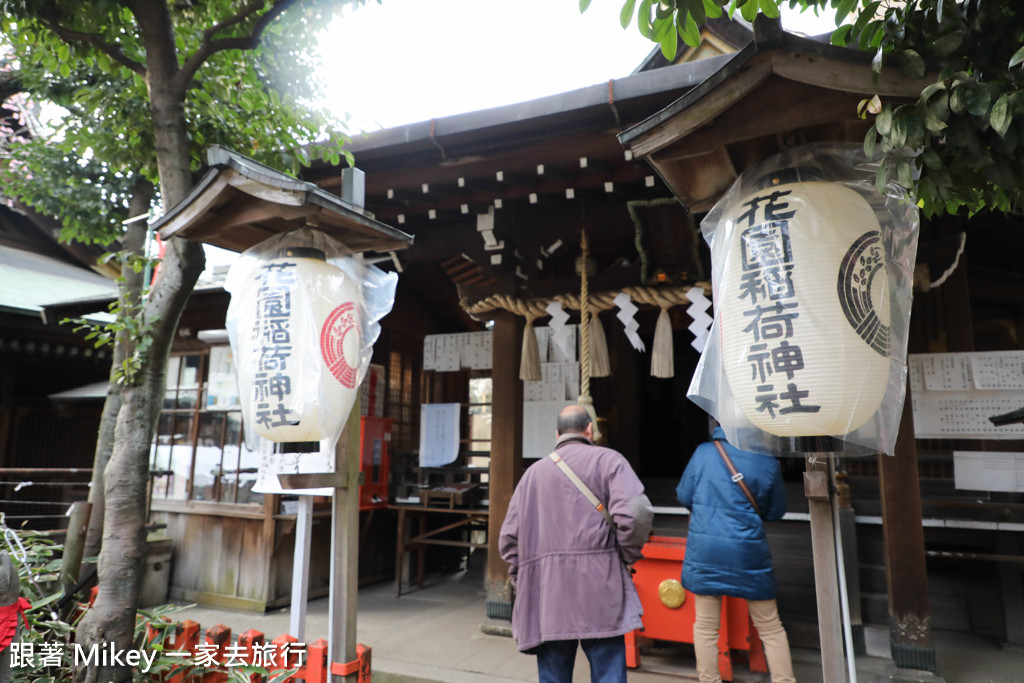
point(812, 272)
point(302, 321)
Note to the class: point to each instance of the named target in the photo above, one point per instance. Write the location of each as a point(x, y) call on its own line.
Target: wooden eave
point(780, 89)
point(239, 203)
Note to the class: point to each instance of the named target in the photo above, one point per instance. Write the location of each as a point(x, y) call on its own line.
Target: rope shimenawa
point(603, 301)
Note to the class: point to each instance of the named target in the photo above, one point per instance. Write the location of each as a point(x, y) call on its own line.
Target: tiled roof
point(29, 280)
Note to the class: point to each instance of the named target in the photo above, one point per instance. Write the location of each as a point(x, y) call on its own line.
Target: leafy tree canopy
point(960, 147)
point(254, 96)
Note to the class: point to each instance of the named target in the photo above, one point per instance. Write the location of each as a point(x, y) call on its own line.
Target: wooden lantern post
point(237, 204)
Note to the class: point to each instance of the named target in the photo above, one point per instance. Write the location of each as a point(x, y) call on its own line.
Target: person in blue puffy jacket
point(727, 551)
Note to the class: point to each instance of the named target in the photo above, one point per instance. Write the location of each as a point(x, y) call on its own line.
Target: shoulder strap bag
point(737, 476)
point(584, 489)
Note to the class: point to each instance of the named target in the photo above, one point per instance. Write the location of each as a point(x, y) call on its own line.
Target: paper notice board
point(953, 395)
point(988, 471)
point(439, 434)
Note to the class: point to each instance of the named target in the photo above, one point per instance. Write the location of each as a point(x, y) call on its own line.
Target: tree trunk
point(122, 558)
point(134, 244)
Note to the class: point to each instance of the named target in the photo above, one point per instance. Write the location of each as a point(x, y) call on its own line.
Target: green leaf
point(958, 98)
point(698, 13)
point(935, 114)
point(931, 158)
point(904, 173)
point(841, 35)
point(978, 100)
point(898, 134)
point(883, 122)
point(946, 45)
point(881, 178)
point(867, 14)
point(843, 10)
point(748, 10)
point(876, 61)
point(911, 64)
point(869, 142)
point(664, 28)
point(1017, 57)
point(626, 14)
point(669, 43)
point(1001, 115)
point(584, 4)
point(712, 9)
point(691, 32)
point(643, 19)
point(770, 9)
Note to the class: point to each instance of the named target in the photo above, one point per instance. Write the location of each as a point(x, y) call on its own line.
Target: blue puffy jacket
point(726, 549)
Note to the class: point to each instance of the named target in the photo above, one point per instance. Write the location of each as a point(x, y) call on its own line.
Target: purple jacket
point(571, 578)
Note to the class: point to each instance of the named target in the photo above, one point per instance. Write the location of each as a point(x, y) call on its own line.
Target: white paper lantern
point(805, 309)
point(298, 346)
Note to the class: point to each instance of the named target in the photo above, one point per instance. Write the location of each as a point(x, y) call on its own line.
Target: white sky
point(404, 61)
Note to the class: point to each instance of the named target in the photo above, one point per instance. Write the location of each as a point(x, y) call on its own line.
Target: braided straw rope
point(584, 398)
point(662, 297)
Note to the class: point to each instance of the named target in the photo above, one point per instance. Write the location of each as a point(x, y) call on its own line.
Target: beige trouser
point(765, 616)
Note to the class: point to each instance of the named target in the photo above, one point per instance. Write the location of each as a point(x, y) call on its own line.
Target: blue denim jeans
point(607, 657)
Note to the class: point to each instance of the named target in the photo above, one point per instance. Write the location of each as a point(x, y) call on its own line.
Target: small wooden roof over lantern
point(240, 203)
point(780, 90)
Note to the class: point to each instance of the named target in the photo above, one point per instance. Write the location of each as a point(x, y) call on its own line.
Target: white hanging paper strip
point(570, 352)
point(701, 320)
point(560, 334)
point(627, 309)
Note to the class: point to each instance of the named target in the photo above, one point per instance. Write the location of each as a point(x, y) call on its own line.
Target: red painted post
point(287, 656)
point(316, 662)
point(249, 640)
point(184, 639)
point(219, 635)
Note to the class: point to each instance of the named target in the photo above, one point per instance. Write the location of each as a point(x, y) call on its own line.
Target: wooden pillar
point(345, 549)
point(506, 453)
point(910, 626)
point(817, 488)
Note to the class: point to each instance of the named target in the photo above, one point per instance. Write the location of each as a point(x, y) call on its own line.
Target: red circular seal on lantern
point(339, 344)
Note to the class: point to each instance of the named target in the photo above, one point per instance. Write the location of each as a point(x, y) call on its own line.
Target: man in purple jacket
point(568, 564)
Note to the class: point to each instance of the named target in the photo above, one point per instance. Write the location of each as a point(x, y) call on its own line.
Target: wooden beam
point(705, 109)
point(850, 77)
point(596, 166)
point(506, 453)
point(243, 211)
point(556, 173)
point(699, 180)
point(516, 179)
point(759, 114)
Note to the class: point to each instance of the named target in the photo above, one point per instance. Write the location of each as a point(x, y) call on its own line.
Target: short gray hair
point(573, 420)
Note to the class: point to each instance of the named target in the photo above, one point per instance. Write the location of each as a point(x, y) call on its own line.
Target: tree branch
point(50, 18)
point(211, 45)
